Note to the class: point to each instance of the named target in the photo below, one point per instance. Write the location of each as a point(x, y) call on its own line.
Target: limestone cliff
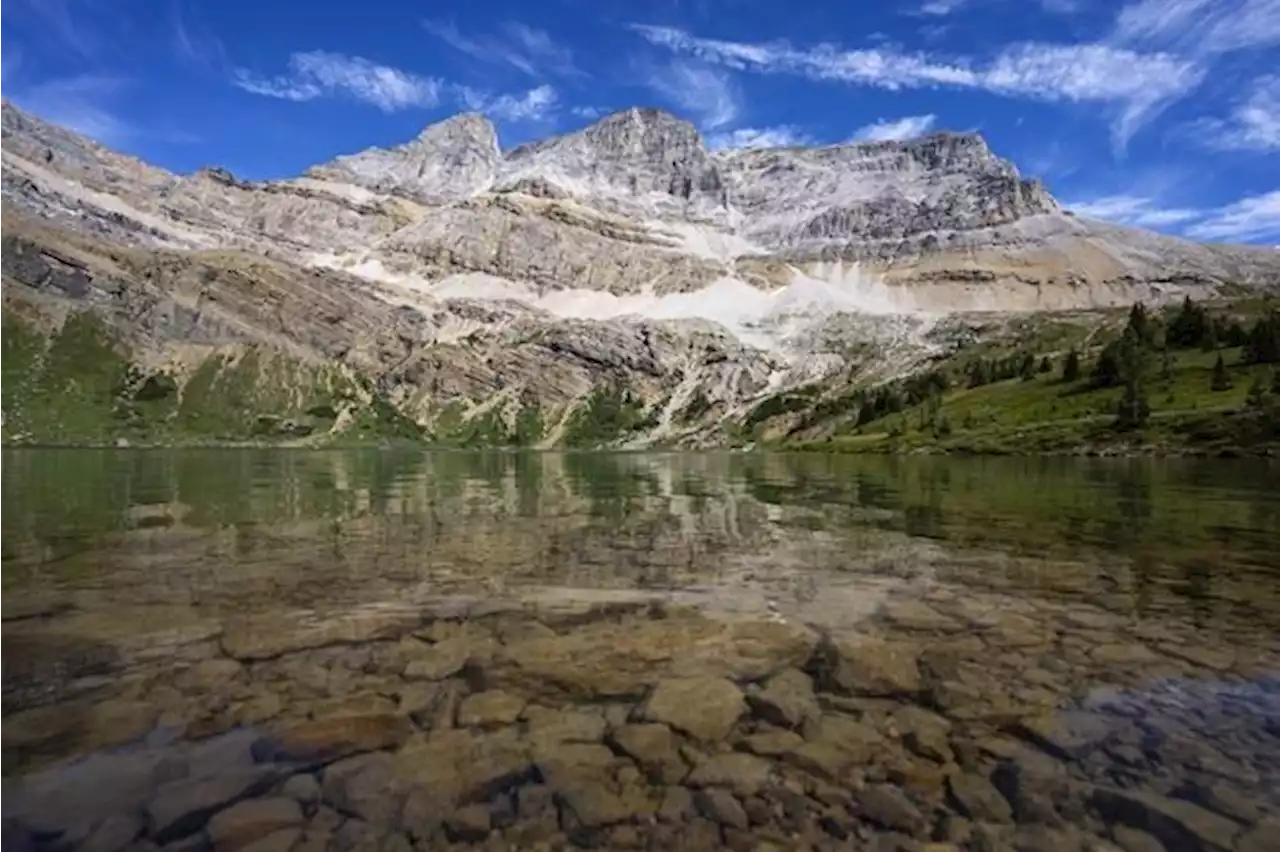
point(620, 273)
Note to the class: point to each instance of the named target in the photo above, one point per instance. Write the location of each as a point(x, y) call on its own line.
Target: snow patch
point(778, 321)
point(709, 243)
point(349, 191)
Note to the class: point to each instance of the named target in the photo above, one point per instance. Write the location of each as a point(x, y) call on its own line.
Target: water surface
point(157, 600)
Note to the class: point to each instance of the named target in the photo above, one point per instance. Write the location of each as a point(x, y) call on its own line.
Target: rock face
point(616, 285)
point(881, 199)
point(450, 160)
point(641, 161)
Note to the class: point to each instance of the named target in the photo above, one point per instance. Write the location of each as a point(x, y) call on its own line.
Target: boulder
point(655, 748)
point(469, 824)
point(565, 725)
point(251, 820)
point(463, 766)
point(624, 659)
point(864, 665)
point(491, 709)
point(262, 637)
point(888, 806)
point(745, 774)
point(284, 840)
point(1134, 840)
point(924, 732)
point(113, 834)
point(571, 765)
point(182, 807)
point(786, 700)
point(916, 615)
point(677, 805)
point(323, 740)
point(772, 743)
point(1176, 823)
point(303, 789)
point(706, 708)
point(1068, 734)
point(834, 744)
point(976, 798)
point(365, 786)
point(439, 661)
point(593, 807)
point(720, 807)
point(1034, 783)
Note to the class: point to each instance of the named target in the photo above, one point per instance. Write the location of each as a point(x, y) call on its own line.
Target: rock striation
point(461, 284)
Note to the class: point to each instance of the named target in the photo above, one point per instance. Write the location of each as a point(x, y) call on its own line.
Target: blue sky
point(1159, 113)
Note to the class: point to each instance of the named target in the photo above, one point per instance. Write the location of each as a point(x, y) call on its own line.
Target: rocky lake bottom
point(254, 650)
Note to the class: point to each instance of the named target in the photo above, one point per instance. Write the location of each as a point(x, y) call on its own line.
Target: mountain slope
point(621, 274)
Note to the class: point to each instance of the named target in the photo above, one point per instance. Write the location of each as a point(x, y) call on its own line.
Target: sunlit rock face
point(625, 255)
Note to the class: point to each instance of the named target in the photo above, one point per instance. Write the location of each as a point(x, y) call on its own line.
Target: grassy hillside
point(78, 386)
point(1210, 389)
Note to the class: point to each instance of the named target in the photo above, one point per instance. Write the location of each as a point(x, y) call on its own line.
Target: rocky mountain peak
point(471, 126)
point(641, 161)
point(450, 159)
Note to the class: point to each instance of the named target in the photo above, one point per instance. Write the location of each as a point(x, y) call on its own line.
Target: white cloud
point(319, 73)
point(1251, 219)
point(885, 130)
point(77, 103)
point(939, 8)
point(1254, 124)
point(779, 136)
point(195, 45)
point(702, 90)
point(588, 112)
point(534, 105)
point(524, 48)
point(1136, 210)
point(1203, 27)
point(1137, 84)
point(78, 30)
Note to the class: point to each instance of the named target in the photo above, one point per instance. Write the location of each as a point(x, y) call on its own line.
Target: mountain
point(621, 283)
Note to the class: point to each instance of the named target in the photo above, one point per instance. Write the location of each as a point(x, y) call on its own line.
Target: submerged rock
point(705, 708)
point(623, 660)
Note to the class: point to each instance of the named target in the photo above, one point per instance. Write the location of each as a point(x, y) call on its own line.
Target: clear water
point(1134, 604)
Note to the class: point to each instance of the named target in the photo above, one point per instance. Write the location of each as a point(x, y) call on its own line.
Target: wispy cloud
point(69, 28)
point(1254, 124)
point(1136, 210)
point(525, 48)
point(77, 103)
point(1137, 85)
point(1254, 219)
point(319, 73)
point(940, 8)
point(193, 44)
point(779, 136)
point(706, 92)
point(534, 105)
point(588, 112)
point(886, 130)
point(1251, 219)
point(1201, 27)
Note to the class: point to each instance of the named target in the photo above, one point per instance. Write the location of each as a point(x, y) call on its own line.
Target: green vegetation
point(610, 413)
point(1162, 383)
point(78, 386)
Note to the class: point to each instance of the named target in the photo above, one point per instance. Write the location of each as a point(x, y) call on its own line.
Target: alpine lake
point(279, 651)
